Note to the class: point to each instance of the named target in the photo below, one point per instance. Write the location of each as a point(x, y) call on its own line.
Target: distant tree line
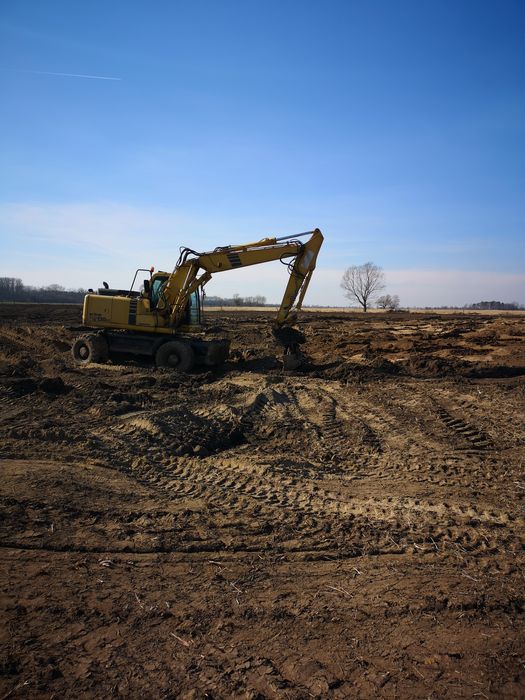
point(13, 289)
point(480, 306)
point(236, 300)
point(495, 306)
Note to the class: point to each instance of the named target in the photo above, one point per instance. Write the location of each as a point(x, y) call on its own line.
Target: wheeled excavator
point(163, 321)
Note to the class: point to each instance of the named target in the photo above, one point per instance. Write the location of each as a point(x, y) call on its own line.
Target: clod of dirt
point(480, 371)
point(53, 385)
point(19, 386)
point(19, 367)
point(384, 366)
point(177, 431)
point(376, 368)
point(9, 666)
point(61, 346)
point(426, 366)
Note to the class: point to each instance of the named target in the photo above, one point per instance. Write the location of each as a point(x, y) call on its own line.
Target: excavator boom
point(194, 270)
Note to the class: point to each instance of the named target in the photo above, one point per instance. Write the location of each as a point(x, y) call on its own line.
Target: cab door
point(194, 309)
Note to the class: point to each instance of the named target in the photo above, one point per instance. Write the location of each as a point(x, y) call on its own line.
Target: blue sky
point(398, 128)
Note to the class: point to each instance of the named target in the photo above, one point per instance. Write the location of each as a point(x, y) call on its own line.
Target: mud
point(352, 529)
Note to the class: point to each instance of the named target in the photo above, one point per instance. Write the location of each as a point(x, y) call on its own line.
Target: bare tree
point(388, 301)
point(362, 282)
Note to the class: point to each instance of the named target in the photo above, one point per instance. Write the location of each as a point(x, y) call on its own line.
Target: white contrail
point(73, 75)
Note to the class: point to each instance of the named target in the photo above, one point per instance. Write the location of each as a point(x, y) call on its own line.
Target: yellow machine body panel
point(132, 314)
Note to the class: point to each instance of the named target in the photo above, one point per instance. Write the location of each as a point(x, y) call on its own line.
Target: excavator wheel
point(90, 348)
point(176, 354)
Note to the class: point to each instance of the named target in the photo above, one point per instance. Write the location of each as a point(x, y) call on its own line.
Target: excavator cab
point(154, 291)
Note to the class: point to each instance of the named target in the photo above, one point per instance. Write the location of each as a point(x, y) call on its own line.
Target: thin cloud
point(76, 243)
point(73, 75)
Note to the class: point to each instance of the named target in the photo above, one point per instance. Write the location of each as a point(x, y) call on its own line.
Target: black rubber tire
point(175, 354)
point(90, 348)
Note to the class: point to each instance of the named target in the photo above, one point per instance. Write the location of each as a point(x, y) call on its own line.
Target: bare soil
point(351, 530)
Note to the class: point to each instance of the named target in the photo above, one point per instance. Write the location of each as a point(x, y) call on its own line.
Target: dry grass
point(353, 310)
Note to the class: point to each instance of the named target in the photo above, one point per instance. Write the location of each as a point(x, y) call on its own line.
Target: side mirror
point(146, 288)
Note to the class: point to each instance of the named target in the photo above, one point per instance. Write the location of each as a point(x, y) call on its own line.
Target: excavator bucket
point(292, 360)
point(290, 339)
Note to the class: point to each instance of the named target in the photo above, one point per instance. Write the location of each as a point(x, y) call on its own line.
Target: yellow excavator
point(163, 321)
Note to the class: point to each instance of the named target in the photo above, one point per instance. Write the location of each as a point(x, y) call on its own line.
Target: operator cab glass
point(192, 317)
point(155, 291)
point(193, 310)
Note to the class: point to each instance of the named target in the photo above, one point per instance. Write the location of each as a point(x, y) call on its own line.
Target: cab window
point(155, 291)
point(192, 317)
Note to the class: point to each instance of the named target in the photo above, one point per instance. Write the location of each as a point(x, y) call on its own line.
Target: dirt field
point(352, 530)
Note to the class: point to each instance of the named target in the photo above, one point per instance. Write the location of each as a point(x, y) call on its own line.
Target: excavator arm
point(194, 270)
